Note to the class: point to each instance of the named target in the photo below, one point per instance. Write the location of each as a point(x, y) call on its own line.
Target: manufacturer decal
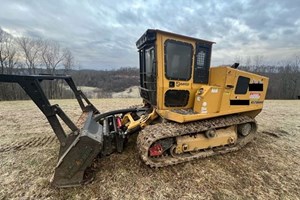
point(214, 90)
point(256, 82)
point(203, 110)
point(178, 84)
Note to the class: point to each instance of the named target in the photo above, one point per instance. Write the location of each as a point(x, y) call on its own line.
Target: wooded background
point(25, 56)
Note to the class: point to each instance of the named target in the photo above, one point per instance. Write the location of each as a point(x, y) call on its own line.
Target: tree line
point(108, 80)
point(33, 54)
point(28, 56)
point(284, 77)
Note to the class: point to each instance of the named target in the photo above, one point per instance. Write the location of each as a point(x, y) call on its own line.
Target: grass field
point(267, 168)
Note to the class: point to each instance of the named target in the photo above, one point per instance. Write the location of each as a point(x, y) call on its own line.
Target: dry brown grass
point(268, 168)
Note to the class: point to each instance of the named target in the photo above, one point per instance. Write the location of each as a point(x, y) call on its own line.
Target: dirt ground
point(267, 168)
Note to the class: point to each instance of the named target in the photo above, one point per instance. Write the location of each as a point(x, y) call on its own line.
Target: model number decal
point(256, 102)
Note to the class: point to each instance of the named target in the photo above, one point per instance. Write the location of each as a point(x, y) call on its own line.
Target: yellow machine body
point(196, 91)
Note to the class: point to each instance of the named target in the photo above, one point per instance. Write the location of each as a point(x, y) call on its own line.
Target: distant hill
point(94, 83)
point(132, 92)
point(108, 81)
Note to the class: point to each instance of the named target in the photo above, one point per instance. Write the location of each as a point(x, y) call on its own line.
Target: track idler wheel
point(245, 129)
point(172, 151)
point(210, 133)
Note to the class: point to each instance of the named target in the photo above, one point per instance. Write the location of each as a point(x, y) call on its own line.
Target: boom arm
point(32, 86)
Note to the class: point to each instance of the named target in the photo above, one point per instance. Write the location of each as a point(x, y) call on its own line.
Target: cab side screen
point(202, 63)
point(148, 74)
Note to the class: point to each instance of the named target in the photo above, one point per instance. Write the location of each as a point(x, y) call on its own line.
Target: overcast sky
point(102, 34)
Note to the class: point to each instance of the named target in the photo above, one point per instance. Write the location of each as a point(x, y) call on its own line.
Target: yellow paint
point(197, 142)
point(129, 122)
point(142, 122)
point(221, 79)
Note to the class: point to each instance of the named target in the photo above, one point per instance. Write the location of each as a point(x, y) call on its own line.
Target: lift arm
point(32, 86)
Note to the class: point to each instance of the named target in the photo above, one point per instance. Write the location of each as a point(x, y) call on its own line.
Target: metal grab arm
point(31, 85)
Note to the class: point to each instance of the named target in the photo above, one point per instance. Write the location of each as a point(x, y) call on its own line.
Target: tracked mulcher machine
point(190, 110)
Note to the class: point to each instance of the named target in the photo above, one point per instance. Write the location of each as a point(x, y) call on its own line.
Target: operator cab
point(172, 68)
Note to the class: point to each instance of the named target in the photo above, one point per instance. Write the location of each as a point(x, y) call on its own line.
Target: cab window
point(178, 60)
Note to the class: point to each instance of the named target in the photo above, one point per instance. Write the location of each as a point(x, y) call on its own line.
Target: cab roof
point(150, 35)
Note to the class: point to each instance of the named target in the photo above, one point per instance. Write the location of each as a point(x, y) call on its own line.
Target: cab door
point(178, 69)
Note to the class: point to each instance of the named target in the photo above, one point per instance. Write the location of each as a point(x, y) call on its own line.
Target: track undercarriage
point(170, 143)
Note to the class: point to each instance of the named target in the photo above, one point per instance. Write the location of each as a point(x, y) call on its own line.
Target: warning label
point(254, 95)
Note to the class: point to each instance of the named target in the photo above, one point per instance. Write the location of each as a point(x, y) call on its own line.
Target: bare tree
point(3, 55)
point(68, 62)
point(7, 52)
point(8, 61)
point(52, 55)
point(32, 56)
point(248, 61)
point(297, 60)
point(258, 60)
point(30, 49)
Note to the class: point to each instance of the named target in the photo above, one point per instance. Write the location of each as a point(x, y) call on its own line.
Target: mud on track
point(267, 168)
